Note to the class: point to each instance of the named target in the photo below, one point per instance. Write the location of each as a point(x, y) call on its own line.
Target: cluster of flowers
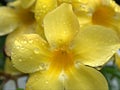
point(60, 43)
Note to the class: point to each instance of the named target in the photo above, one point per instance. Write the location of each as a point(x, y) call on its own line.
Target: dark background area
point(118, 1)
point(5, 1)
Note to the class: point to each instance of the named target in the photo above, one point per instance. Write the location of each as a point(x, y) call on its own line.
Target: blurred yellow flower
point(13, 17)
point(63, 60)
point(100, 12)
point(15, 20)
point(12, 36)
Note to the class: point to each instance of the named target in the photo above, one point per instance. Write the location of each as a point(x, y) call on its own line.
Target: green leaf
point(112, 73)
point(19, 89)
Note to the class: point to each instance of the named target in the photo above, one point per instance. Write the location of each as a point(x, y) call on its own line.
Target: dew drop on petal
point(99, 67)
point(46, 82)
point(20, 60)
point(17, 47)
point(36, 51)
point(42, 66)
point(44, 6)
point(22, 48)
point(77, 63)
point(36, 78)
point(30, 41)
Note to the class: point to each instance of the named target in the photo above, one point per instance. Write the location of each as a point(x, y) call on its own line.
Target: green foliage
point(112, 74)
point(2, 55)
point(19, 89)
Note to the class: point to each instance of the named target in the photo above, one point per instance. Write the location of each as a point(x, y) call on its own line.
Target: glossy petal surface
point(42, 7)
point(9, 44)
point(85, 78)
point(83, 17)
point(77, 79)
point(43, 81)
point(8, 20)
point(61, 25)
point(29, 53)
point(95, 45)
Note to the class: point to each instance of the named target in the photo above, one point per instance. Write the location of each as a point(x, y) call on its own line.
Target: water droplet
point(46, 82)
point(30, 41)
point(20, 60)
point(22, 48)
point(24, 42)
point(62, 76)
point(44, 6)
point(99, 67)
point(36, 50)
point(42, 66)
point(77, 63)
point(18, 47)
point(42, 44)
point(64, 23)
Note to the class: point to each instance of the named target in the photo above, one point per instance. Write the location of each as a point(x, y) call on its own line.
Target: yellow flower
point(15, 20)
point(63, 60)
point(12, 18)
point(13, 35)
point(100, 12)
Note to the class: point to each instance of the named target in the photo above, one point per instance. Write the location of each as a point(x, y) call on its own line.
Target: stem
point(6, 77)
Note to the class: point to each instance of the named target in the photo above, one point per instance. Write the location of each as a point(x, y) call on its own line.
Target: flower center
point(62, 59)
point(103, 15)
point(26, 16)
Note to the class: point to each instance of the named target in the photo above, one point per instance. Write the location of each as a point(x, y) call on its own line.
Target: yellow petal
point(115, 5)
point(80, 9)
point(85, 5)
point(42, 81)
point(60, 25)
point(40, 30)
point(42, 7)
point(29, 53)
point(115, 24)
point(14, 4)
point(117, 59)
point(9, 68)
point(12, 36)
point(27, 3)
point(83, 17)
point(77, 79)
point(8, 20)
point(85, 78)
point(95, 45)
